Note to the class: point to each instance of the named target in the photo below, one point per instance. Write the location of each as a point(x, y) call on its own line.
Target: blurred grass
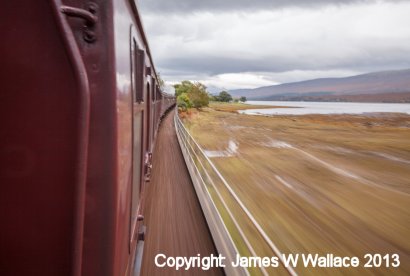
point(319, 210)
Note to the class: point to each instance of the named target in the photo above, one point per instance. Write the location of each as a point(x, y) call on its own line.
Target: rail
point(234, 229)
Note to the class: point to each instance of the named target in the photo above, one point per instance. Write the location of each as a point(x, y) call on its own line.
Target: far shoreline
point(235, 107)
point(323, 108)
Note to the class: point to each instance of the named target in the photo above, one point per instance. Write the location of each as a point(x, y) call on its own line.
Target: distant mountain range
point(387, 86)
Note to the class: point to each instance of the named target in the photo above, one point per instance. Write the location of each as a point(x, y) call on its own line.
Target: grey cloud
point(219, 65)
point(181, 6)
point(362, 37)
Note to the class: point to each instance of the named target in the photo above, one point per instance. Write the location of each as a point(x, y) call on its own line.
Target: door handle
point(89, 16)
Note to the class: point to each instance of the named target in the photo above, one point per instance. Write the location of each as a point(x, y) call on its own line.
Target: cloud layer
point(242, 46)
point(183, 6)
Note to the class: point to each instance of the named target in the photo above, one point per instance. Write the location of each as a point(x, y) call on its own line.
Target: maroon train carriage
point(80, 107)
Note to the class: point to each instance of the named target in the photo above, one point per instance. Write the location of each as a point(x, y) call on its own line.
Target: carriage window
point(138, 73)
point(136, 164)
point(153, 92)
point(156, 91)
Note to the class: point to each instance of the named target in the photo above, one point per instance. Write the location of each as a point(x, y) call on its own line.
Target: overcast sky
point(246, 44)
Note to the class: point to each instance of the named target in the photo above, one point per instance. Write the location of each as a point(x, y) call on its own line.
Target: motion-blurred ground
point(317, 183)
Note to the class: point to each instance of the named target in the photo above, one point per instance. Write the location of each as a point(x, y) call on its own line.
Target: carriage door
point(137, 84)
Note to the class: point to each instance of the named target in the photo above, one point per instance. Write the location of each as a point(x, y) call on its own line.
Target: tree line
point(195, 95)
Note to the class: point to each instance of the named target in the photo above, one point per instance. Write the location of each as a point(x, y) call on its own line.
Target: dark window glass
point(136, 164)
point(138, 73)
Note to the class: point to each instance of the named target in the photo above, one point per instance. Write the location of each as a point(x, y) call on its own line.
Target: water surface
point(303, 108)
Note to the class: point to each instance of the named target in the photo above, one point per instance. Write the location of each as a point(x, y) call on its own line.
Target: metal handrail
point(186, 139)
point(248, 244)
point(223, 241)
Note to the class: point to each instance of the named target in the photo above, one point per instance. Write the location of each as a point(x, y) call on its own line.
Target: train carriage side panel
point(76, 131)
point(135, 77)
point(43, 137)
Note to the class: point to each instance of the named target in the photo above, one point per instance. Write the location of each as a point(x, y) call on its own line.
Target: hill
point(386, 86)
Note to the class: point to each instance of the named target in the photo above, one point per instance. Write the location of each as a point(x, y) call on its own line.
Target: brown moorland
point(321, 184)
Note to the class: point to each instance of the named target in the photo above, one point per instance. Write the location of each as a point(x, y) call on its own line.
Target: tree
point(243, 99)
point(212, 98)
point(224, 97)
point(182, 87)
point(195, 92)
point(198, 95)
point(183, 102)
point(161, 82)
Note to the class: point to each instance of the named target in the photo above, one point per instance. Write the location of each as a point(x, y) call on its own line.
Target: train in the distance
point(80, 107)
